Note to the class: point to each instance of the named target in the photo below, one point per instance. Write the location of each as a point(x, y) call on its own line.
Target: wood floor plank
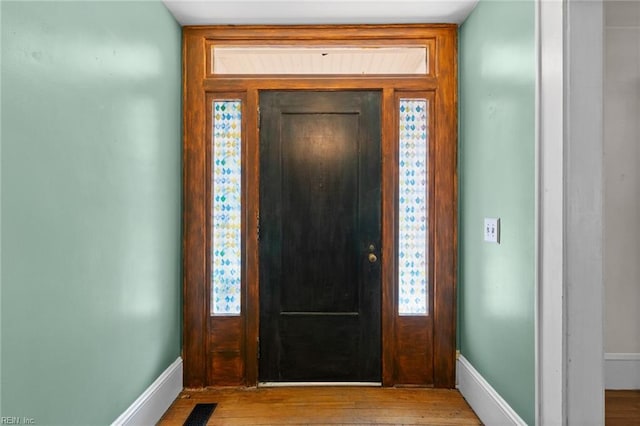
point(326, 405)
point(352, 406)
point(622, 407)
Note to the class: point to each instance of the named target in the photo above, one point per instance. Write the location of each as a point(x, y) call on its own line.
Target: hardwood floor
point(326, 405)
point(622, 407)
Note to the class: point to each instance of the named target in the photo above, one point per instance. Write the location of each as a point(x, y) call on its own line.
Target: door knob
point(372, 258)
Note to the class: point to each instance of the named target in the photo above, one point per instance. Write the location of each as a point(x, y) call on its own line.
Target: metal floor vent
point(200, 415)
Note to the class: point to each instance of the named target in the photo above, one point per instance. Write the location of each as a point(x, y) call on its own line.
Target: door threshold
point(309, 384)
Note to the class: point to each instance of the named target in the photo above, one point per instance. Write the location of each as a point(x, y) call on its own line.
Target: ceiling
point(308, 12)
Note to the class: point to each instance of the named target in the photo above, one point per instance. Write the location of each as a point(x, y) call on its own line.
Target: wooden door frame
point(223, 350)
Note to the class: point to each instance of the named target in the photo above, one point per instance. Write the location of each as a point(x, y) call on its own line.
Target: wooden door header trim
point(238, 84)
point(323, 32)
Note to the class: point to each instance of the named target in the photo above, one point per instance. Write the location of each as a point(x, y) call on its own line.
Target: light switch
point(492, 229)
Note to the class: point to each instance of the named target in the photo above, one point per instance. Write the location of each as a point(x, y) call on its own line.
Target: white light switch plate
point(492, 229)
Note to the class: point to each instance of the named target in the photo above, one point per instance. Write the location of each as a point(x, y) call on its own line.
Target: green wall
point(497, 179)
point(91, 204)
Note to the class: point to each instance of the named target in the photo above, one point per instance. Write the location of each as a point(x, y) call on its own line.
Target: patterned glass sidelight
point(226, 208)
point(413, 223)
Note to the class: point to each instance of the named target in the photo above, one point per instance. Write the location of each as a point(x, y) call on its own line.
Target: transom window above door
point(320, 60)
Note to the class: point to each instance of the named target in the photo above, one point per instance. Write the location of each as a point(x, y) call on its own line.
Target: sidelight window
point(413, 220)
point(226, 207)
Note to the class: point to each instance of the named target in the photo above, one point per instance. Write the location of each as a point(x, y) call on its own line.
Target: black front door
point(320, 205)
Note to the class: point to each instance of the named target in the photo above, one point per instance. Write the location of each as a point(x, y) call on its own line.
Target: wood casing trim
point(252, 289)
point(446, 223)
point(193, 213)
point(199, 85)
point(389, 213)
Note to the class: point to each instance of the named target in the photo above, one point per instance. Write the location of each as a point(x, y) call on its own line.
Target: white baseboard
point(622, 371)
point(155, 400)
point(483, 399)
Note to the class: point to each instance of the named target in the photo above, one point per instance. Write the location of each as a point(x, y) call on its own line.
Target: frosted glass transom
point(413, 223)
point(226, 208)
point(305, 60)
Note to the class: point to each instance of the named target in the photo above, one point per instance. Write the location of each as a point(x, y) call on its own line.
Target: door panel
point(319, 222)
point(318, 187)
